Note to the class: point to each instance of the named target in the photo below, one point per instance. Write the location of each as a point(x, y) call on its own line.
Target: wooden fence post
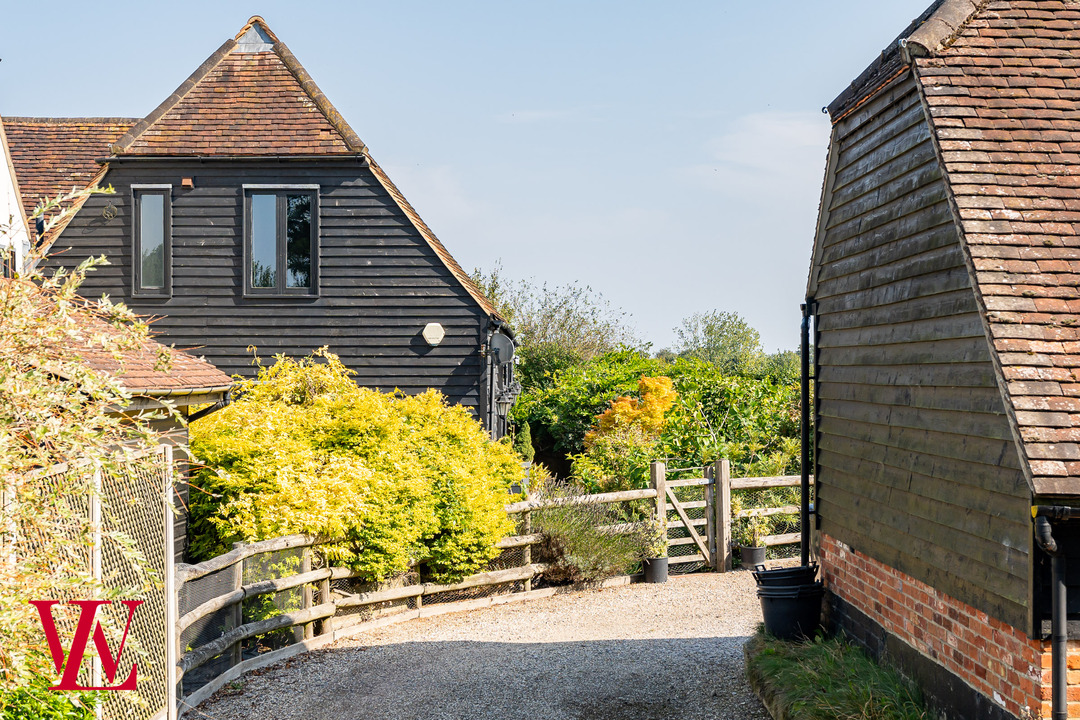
point(722, 475)
point(710, 516)
point(327, 625)
point(526, 529)
point(306, 591)
point(658, 478)
point(235, 652)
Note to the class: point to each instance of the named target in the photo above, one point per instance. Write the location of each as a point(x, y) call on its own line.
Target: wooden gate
point(699, 529)
point(697, 525)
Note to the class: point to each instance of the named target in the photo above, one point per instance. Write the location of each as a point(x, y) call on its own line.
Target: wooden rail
point(716, 545)
point(318, 624)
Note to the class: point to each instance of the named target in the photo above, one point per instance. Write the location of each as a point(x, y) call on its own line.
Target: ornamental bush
point(389, 481)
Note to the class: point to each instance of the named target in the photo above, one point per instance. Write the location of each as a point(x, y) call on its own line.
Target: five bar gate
point(699, 512)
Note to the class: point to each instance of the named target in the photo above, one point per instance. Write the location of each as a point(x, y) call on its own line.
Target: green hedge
point(395, 480)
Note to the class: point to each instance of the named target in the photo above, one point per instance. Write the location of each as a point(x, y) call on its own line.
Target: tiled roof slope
point(1004, 102)
point(247, 99)
point(134, 367)
point(136, 370)
point(264, 99)
point(52, 155)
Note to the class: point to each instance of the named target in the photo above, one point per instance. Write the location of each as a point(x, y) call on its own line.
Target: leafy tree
point(783, 366)
point(523, 445)
point(723, 339)
point(625, 438)
point(388, 480)
point(561, 411)
point(557, 327)
point(54, 409)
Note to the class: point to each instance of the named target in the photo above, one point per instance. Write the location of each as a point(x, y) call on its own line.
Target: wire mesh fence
point(133, 506)
point(681, 545)
point(117, 525)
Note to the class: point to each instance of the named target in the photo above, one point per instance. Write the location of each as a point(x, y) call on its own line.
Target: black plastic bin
point(791, 612)
point(802, 575)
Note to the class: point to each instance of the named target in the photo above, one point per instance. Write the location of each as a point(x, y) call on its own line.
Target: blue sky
point(669, 156)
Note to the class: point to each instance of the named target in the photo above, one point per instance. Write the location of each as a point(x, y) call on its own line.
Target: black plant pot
point(791, 612)
point(802, 575)
point(655, 569)
point(751, 556)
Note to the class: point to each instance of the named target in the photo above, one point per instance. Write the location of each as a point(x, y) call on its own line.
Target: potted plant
point(654, 561)
point(752, 551)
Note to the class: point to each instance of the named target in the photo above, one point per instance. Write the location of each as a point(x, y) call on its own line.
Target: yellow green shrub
point(388, 480)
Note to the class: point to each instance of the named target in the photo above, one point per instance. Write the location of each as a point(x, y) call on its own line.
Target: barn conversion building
point(249, 213)
point(945, 290)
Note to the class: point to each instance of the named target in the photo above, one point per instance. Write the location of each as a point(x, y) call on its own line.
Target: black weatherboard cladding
point(917, 466)
point(380, 282)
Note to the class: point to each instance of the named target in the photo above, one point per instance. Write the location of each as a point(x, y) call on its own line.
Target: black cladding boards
point(917, 466)
point(380, 283)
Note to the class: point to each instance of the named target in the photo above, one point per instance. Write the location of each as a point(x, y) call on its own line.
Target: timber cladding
point(379, 281)
point(917, 467)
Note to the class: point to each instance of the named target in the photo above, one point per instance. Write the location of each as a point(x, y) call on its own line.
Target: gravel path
point(638, 652)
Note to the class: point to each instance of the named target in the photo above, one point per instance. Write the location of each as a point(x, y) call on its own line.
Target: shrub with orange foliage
point(657, 397)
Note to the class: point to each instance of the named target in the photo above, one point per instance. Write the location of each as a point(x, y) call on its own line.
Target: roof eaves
point(54, 232)
point(125, 143)
point(884, 66)
point(434, 242)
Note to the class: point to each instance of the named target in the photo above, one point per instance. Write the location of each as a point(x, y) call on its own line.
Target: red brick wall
point(995, 659)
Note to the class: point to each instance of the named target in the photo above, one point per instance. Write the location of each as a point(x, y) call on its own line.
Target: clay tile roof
point(53, 155)
point(1003, 94)
point(136, 367)
point(251, 97)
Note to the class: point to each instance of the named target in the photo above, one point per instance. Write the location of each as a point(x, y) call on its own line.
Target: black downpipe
point(1059, 631)
point(804, 402)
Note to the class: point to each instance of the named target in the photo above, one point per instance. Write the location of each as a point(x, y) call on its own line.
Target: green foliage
point(34, 701)
point(55, 409)
point(523, 445)
point(830, 679)
point(723, 339)
point(562, 412)
point(782, 367)
point(752, 422)
point(558, 327)
point(575, 546)
point(393, 480)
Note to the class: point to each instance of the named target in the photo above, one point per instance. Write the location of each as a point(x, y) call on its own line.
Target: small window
point(7, 263)
point(152, 256)
point(280, 242)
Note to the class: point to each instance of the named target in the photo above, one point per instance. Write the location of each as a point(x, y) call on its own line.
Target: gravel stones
point(638, 652)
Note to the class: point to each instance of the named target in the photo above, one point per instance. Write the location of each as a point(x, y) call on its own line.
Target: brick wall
point(997, 661)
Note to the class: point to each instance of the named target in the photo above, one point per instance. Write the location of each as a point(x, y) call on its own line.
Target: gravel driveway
point(638, 652)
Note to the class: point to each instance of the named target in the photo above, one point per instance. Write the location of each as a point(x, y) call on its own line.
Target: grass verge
point(828, 680)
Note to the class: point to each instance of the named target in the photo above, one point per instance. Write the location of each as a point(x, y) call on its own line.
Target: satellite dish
point(504, 346)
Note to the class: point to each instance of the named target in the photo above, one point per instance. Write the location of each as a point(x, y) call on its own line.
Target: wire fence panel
point(133, 507)
point(119, 526)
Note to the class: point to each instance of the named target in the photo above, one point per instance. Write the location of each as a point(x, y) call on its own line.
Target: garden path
point(637, 652)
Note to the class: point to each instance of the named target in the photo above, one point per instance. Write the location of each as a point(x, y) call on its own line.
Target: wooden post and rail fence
point(326, 613)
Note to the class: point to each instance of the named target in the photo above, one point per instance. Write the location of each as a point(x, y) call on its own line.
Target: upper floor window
point(152, 256)
point(280, 240)
point(7, 263)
